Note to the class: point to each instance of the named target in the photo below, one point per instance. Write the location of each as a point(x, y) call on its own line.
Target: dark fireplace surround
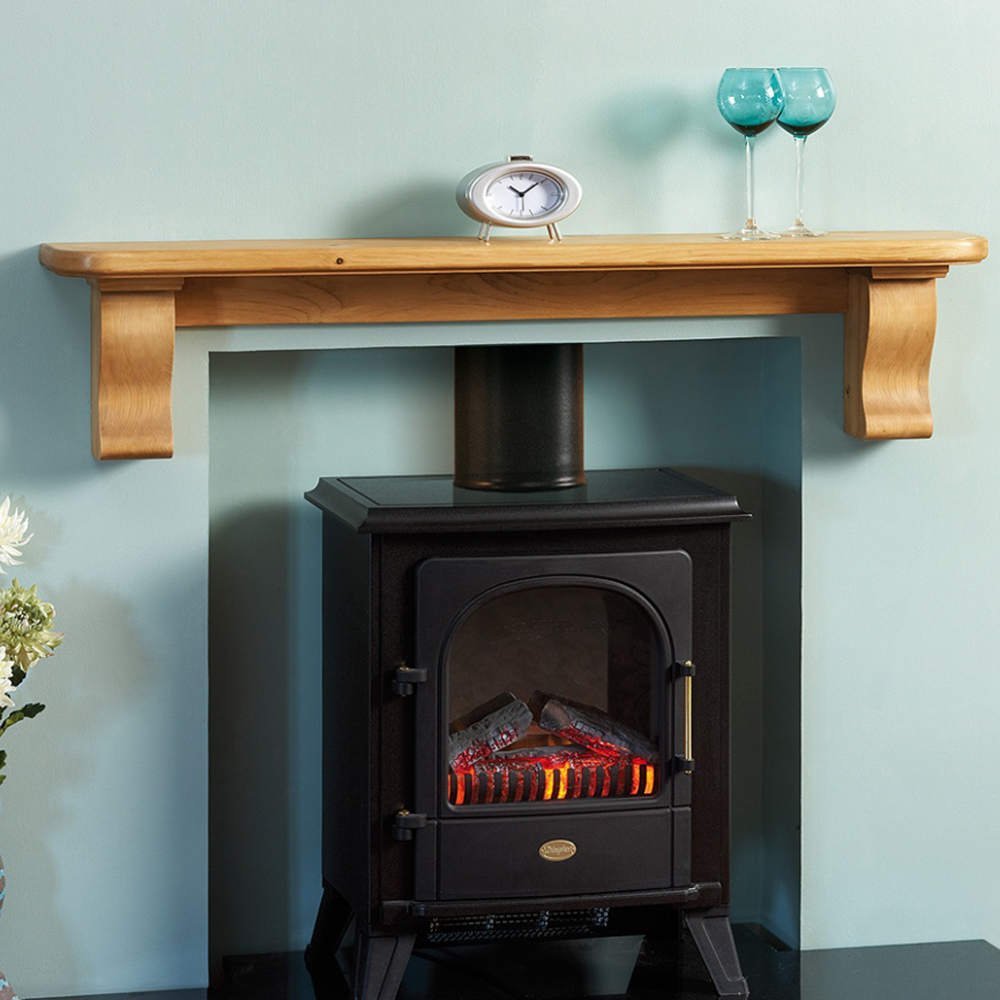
point(526, 691)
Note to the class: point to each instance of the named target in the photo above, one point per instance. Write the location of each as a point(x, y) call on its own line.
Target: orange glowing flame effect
point(534, 779)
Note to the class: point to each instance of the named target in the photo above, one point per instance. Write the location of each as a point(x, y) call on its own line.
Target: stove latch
point(405, 822)
point(405, 679)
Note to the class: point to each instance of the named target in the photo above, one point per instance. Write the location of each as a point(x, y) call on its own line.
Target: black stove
point(526, 720)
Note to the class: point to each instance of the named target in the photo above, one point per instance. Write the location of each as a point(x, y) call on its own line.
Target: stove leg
point(659, 967)
point(332, 921)
point(380, 964)
point(714, 938)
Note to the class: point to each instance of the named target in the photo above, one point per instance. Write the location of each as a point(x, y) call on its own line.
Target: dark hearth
point(517, 689)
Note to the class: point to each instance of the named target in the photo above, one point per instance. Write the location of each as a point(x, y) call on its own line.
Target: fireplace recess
point(526, 725)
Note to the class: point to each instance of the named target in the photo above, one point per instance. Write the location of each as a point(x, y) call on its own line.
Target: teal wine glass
point(809, 102)
point(750, 99)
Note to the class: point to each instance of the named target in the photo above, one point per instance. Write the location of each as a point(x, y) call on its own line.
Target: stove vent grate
point(512, 926)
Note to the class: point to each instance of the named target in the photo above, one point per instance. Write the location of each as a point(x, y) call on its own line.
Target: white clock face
point(525, 195)
point(519, 193)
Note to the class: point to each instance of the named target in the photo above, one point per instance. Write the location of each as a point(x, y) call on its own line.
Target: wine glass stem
point(800, 179)
point(751, 222)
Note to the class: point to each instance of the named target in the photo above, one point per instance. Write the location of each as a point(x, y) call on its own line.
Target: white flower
point(6, 683)
point(26, 625)
point(13, 532)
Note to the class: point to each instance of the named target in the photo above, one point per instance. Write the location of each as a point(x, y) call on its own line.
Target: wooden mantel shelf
point(884, 283)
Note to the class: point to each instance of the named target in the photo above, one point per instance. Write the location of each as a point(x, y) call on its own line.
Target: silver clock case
point(472, 189)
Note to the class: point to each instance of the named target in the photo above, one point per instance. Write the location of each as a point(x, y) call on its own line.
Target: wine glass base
point(799, 230)
point(751, 233)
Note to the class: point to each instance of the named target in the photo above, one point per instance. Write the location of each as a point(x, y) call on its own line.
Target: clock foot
point(554, 233)
point(484, 231)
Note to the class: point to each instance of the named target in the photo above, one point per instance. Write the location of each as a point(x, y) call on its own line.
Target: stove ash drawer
point(554, 855)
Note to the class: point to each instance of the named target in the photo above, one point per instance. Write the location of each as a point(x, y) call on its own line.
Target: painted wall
point(125, 119)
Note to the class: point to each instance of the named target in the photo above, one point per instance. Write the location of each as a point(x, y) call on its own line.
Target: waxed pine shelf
point(883, 282)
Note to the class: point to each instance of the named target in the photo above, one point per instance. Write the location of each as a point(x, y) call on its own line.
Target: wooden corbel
point(132, 364)
point(888, 340)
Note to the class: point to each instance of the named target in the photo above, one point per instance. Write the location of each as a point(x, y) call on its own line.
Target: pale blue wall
point(125, 119)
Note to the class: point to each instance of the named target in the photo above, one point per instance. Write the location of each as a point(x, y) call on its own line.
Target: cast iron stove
point(526, 720)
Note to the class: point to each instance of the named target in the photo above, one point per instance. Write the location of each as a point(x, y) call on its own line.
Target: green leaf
point(28, 712)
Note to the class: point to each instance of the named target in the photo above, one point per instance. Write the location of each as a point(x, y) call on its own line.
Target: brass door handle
point(685, 762)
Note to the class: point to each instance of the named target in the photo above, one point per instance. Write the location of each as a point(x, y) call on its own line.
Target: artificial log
point(492, 726)
point(589, 727)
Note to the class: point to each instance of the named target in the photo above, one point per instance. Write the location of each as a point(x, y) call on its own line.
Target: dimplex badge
point(557, 850)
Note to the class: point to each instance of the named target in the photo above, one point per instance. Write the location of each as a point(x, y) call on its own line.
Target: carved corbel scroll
point(132, 362)
point(888, 340)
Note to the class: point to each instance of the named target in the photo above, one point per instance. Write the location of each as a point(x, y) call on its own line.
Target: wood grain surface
point(883, 282)
point(684, 250)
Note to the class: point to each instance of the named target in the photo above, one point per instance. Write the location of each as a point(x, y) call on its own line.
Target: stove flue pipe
point(519, 417)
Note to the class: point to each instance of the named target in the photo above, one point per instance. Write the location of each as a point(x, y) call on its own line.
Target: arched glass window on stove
point(552, 695)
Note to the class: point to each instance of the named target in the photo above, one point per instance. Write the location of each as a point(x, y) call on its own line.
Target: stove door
point(551, 720)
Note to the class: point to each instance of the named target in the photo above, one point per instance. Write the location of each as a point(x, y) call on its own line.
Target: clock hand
point(520, 194)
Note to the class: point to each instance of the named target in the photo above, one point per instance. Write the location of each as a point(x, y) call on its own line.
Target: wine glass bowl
point(750, 99)
point(809, 103)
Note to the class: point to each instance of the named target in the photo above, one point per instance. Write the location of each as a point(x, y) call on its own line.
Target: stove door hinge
point(405, 679)
point(405, 822)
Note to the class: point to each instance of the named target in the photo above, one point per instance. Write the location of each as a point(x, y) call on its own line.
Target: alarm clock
point(518, 193)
